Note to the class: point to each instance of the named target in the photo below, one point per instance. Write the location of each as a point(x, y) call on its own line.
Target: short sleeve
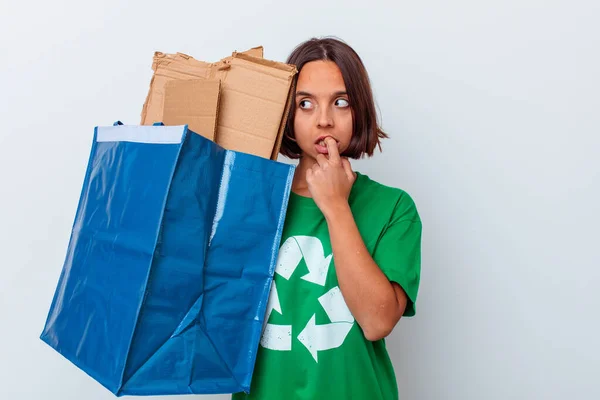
point(398, 250)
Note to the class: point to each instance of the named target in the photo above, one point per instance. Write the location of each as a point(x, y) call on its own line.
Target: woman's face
point(322, 109)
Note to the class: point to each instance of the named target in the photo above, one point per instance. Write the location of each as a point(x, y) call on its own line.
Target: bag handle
point(117, 123)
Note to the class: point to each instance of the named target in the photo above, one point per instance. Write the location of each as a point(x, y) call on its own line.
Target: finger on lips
point(334, 154)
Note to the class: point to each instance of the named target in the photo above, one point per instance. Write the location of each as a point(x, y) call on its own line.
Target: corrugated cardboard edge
point(166, 58)
point(218, 110)
point(255, 52)
point(288, 106)
point(273, 64)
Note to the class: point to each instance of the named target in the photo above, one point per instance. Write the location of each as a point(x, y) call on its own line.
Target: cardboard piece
point(254, 104)
point(254, 99)
point(255, 52)
point(193, 102)
point(168, 67)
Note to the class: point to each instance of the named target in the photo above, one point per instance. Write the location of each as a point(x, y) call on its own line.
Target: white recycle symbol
point(314, 337)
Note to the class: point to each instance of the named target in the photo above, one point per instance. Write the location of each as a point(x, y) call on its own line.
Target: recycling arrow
point(275, 337)
point(310, 248)
point(329, 336)
point(314, 337)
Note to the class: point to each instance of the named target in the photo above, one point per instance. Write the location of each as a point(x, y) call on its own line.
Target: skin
point(323, 111)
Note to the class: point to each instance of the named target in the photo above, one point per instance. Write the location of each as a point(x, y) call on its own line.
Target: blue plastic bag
point(170, 262)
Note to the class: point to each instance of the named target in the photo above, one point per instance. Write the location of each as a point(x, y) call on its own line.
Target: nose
point(324, 118)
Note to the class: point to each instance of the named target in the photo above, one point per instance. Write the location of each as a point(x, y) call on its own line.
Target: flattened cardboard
point(193, 102)
point(175, 66)
point(254, 100)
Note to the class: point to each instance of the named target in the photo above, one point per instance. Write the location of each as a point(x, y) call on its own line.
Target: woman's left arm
point(376, 303)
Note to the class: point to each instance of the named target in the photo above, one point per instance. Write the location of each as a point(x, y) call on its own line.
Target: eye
point(305, 104)
point(343, 103)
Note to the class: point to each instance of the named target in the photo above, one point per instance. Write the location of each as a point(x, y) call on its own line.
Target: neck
point(299, 185)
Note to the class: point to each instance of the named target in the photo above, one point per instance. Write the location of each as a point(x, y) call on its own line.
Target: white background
point(494, 113)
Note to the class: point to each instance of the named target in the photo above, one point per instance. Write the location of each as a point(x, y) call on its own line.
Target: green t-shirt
point(311, 347)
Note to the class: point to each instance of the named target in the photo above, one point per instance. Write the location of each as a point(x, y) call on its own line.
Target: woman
point(349, 264)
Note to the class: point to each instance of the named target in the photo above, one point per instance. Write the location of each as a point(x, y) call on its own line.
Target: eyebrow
point(338, 93)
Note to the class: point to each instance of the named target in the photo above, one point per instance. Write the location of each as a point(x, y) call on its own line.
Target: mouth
point(321, 146)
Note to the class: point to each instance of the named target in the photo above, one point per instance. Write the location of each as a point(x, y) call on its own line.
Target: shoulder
point(398, 200)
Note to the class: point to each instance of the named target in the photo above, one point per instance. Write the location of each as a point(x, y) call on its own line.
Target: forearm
point(369, 294)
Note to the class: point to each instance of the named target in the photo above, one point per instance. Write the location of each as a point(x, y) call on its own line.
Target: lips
point(321, 146)
point(321, 140)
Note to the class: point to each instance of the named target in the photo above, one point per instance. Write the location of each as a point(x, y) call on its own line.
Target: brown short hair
point(366, 133)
